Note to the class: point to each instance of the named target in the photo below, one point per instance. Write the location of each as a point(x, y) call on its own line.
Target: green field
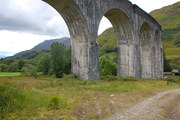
point(9, 74)
point(47, 98)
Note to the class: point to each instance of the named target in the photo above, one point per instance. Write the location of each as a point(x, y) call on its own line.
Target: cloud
point(150, 5)
point(31, 16)
point(37, 17)
point(15, 41)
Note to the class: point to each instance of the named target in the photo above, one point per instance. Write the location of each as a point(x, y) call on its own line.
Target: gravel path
point(162, 106)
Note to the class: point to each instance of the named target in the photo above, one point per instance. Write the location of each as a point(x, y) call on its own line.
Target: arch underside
point(124, 34)
point(78, 32)
point(146, 52)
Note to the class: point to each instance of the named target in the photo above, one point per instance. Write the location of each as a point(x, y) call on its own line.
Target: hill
point(107, 45)
point(47, 44)
point(43, 47)
point(169, 18)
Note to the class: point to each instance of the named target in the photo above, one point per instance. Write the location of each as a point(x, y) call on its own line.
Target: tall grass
point(18, 102)
point(56, 103)
point(11, 100)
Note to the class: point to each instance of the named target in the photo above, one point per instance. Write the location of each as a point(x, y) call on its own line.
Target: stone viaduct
point(139, 41)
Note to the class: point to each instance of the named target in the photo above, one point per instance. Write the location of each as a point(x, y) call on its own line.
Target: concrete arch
point(78, 30)
point(145, 51)
point(122, 25)
point(133, 29)
point(124, 33)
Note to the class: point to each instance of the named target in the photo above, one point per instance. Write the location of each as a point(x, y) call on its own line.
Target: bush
point(56, 103)
point(12, 67)
point(167, 66)
point(44, 65)
point(3, 67)
point(107, 68)
point(29, 70)
point(107, 49)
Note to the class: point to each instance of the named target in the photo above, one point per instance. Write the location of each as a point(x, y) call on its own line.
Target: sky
point(25, 23)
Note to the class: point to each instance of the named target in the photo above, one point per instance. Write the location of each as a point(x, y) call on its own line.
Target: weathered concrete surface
point(139, 43)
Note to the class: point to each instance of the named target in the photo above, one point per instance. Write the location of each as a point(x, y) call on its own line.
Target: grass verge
point(73, 99)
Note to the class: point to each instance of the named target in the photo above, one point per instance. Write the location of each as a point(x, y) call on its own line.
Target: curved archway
point(125, 48)
point(76, 23)
point(145, 51)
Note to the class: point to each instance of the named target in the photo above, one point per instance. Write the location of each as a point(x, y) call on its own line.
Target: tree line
point(56, 62)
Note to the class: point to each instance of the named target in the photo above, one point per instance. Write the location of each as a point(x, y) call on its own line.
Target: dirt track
point(162, 106)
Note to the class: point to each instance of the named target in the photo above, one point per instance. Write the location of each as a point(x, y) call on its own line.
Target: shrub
point(44, 65)
point(107, 49)
point(107, 67)
point(3, 67)
point(29, 70)
point(56, 103)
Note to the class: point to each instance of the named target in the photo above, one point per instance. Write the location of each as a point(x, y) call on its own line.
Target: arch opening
point(146, 51)
point(107, 45)
point(73, 17)
point(124, 44)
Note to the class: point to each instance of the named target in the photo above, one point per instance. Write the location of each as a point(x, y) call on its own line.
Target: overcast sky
point(25, 23)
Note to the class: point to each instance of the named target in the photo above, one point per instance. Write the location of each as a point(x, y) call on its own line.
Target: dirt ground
point(162, 106)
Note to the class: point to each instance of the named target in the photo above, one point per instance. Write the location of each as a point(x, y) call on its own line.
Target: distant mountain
point(47, 44)
point(44, 46)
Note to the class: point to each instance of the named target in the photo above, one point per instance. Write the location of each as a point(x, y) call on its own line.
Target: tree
point(20, 64)
point(57, 59)
point(3, 67)
point(44, 65)
point(107, 49)
point(29, 70)
point(107, 67)
point(67, 68)
point(167, 66)
point(177, 41)
point(12, 67)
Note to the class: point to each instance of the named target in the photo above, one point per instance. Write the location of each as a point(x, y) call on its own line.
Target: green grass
point(74, 99)
point(9, 74)
point(171, 51)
